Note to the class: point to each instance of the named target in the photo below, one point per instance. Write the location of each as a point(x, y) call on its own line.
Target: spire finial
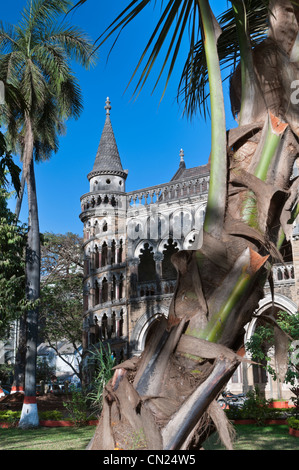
point(108, 106)
point(182, 161)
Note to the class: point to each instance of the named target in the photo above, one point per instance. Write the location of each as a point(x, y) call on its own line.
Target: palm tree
point(170, 391)
point(35, 57)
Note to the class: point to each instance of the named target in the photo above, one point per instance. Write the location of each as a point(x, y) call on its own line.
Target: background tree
point(250, 208)
point(12, 267)
point(62, 294)
point(266, 338)
point(35, 58)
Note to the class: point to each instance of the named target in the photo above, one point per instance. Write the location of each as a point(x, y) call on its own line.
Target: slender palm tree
point(169, 392)
point(35, 57)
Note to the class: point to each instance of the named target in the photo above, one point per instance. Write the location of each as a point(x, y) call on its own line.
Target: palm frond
point(193, 86)
point(39, 12)
point(75, 43)
point(171, 26)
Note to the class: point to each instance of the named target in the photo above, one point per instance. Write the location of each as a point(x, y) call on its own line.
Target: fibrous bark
point(167, 396)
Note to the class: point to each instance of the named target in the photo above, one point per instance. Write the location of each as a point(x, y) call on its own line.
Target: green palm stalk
point(218, 173)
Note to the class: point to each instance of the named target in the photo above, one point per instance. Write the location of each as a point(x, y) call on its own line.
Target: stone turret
point(104, 217)
point(107, 173)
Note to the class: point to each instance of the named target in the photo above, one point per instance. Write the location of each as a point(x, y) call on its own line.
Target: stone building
point(129, 238)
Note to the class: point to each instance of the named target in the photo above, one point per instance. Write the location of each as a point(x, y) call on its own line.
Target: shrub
point(9, 416)
point(77, 408)
point(54, 415)
point(102, 361)
point(256, 408)
point(293, 423)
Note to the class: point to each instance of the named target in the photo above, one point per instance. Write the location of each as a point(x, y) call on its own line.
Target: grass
point(60, 438)
point(252, 437)
point(249, 437)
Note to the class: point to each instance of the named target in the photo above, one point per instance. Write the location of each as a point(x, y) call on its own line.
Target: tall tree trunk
point(29, 416)
point(18, 384)
point(166, 397)
point(20, 196)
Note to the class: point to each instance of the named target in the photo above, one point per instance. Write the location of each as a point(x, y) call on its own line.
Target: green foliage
point(293, 422)
point(7, 165)
point(102, 362)
point(12, 266)
point(9, 416)
point(295, 400)
point(6, 371)
point(255, 407)
point(61, 291)
point(35, 58)
point(78, 408)
point(61, 310)
point(54, 415)
point(43, 370)
point(263, 339)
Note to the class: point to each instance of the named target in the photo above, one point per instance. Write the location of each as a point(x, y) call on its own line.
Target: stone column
point(158, 258)
point(117, 325)
point(133, 266)
point(92, 297)
point(100, 256)
point(109, 253)
point(92, 260)
point(117, 289)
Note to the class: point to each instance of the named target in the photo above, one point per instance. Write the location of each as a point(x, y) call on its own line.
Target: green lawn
point(64, 438)
point(249, 437)
point(252, 437)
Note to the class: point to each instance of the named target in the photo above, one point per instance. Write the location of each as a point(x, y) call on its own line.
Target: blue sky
point(149, 134)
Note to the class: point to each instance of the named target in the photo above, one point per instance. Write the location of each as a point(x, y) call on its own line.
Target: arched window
point(120, 252)
point(168, 270)
point(97, 258)
point(113, 288)
point(121, 324)
point(105, 295)
point(121, 286)
point(104, 326)
point(104, 254)
point(113, 252)
point(146, 267)
point(97, 293)
point(113, 325)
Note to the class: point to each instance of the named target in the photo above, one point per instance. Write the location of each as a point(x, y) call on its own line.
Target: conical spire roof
point(107, 158)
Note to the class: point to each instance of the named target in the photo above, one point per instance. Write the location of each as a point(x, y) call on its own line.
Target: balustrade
point(168, 191)
point(283, 273)
point(150, 289)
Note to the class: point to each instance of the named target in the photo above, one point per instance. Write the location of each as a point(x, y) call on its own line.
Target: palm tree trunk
point(18, 384)
point(169, 392)
point(20, 196)
point(29, 416)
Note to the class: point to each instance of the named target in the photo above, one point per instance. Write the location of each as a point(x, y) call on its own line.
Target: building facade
point(129, 238)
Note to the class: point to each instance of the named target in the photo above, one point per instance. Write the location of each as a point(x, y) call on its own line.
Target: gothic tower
point(104, 218)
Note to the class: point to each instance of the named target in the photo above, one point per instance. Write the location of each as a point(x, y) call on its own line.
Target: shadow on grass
point(252, 437)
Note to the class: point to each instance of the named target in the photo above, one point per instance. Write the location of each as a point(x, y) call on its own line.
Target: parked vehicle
point(230, 400)
point(55, 388)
